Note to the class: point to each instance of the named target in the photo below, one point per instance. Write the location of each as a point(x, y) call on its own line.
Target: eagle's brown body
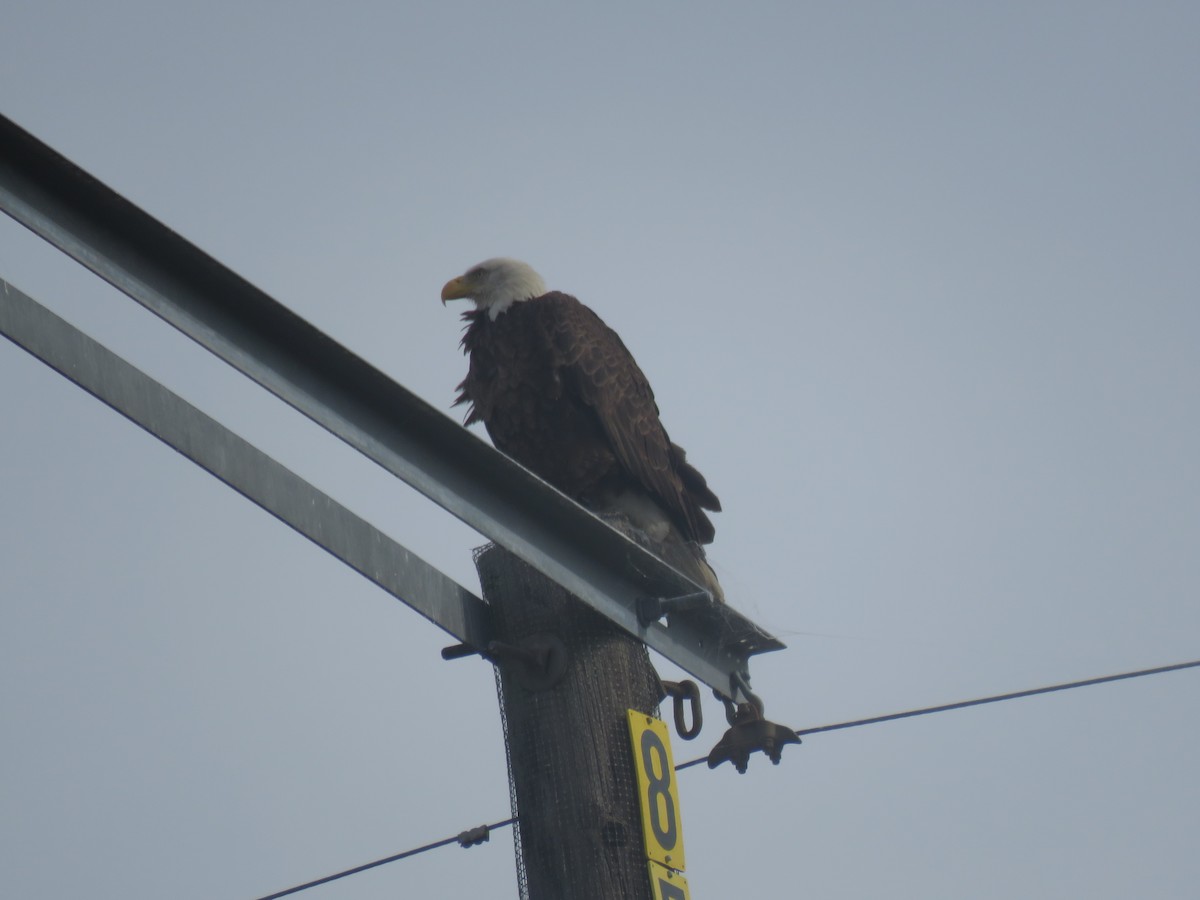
point(559, 393)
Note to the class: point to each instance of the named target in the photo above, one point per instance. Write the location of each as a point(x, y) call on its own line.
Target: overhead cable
point(963, 704)
point(468, 838)
point(479, 835)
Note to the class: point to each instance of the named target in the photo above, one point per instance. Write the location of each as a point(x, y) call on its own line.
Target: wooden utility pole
point(570, 764)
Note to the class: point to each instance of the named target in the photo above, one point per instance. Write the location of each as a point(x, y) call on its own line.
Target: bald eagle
point(558, 392)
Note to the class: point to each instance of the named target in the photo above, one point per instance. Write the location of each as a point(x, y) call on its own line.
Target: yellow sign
point(657, 794)
point(667, 884)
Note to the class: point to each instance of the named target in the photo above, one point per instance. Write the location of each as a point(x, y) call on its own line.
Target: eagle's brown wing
point(599, 370)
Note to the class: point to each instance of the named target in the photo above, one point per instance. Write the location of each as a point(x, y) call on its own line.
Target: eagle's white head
point(495, 285)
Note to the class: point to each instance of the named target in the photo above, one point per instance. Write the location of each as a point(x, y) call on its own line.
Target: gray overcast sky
point(916, 285)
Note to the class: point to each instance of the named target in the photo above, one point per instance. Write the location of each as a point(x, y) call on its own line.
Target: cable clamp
point(474, 836)
point(749, 730)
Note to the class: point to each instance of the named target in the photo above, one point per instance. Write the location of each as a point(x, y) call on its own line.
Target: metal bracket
point(651, 609)
point(538, 662)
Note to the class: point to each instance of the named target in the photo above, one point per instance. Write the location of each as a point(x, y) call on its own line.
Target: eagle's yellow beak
point(456, 289)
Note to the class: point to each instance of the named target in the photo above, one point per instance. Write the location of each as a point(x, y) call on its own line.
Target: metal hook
point(681, 691)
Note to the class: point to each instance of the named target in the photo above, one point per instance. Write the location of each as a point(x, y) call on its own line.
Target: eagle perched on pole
point(559, 393)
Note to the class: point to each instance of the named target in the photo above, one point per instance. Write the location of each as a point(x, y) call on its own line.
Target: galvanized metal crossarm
point(308, 370)
point(242, 466)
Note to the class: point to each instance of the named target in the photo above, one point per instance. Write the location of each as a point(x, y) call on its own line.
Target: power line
point(996, 699)
point(478, 835)
point(467, 839)
point(963, 704)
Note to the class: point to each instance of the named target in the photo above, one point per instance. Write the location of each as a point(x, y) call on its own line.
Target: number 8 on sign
point(657, 794)
point(656, 764)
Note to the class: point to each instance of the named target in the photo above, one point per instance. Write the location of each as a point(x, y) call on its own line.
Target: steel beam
point(242, 466)
point(308, 370)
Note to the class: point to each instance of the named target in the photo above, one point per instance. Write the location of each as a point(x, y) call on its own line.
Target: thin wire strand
point(924, 711)
point(378, 862)
point(963, 704)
